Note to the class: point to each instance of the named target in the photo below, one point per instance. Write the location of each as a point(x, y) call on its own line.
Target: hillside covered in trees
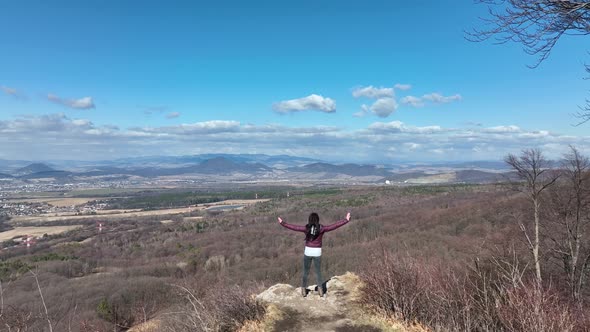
point(454, 258)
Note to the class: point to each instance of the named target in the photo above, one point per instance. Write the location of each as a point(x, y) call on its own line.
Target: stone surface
point(336, 311)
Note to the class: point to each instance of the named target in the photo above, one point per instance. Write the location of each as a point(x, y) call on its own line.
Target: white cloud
point(81, 122)
point(386, 102)
point(412, 101)
point(393, 126)
point(535, 134)
point(382, 107)
point(402, 87)
point(311, 102)
point(372, 92)
point(172, 115)
point(197, 128)
point(412, 146)
point(56, 136)
point(400, 127)
point(502, 129)
point(435, 98)
point(81, 104)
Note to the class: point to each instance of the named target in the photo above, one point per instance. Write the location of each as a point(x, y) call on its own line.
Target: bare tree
point(537, 25)
point(571, 213)
point(42, 301)
point(531, 167)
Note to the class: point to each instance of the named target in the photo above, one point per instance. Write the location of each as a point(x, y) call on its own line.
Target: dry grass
point(388, 324)
point(252, 326)
point(271, 318)
point(35, 231)
point(153, 325)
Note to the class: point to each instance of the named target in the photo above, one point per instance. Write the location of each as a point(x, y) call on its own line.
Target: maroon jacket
point(317, 243)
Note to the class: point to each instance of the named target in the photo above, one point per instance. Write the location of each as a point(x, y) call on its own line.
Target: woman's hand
point(347, 216)
point(280, 220)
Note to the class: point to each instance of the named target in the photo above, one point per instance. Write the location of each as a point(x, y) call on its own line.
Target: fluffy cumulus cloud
point(412, 101)
point(437, 98)
point(387, 102)
point(372, 92)
point(434, 98)
point(80, 104)
point(380, 141)
point(382, 107)
point(312, 102)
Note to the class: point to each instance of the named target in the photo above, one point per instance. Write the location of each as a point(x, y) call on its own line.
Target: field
point(127, 214)
point(105, 192)
point(56, 201)
point(36, 231)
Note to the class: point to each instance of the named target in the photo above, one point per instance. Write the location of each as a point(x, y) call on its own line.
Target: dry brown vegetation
point(97, 278)
point(415, 247)
point(536, 281)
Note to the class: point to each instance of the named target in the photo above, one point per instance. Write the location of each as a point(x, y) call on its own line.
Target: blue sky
point(344, 81)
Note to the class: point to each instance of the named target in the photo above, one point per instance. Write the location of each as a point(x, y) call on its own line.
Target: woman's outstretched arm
point(291, 227)
point(337, 224)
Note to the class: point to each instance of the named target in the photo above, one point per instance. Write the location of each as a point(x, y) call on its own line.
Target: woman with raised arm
point(314, 232)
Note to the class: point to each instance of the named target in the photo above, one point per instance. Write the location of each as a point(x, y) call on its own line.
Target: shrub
point(490, 297)
point(136, 303)
point(12, 269)
point(223, 310)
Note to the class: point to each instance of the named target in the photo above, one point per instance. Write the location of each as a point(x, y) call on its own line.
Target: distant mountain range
point(32, 169)
point(251, 167)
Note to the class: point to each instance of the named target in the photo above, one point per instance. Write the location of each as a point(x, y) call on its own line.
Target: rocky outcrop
point(338, 310)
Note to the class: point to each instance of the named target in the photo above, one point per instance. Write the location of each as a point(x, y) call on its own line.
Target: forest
point(511, 256)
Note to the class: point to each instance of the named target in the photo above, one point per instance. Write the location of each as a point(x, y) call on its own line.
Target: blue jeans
point(318, 272)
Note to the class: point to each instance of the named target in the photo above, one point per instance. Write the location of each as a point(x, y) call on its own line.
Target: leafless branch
point(537, 25)
point(42, 301)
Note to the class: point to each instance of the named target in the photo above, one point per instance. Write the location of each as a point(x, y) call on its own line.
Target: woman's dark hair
point(312, 227)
